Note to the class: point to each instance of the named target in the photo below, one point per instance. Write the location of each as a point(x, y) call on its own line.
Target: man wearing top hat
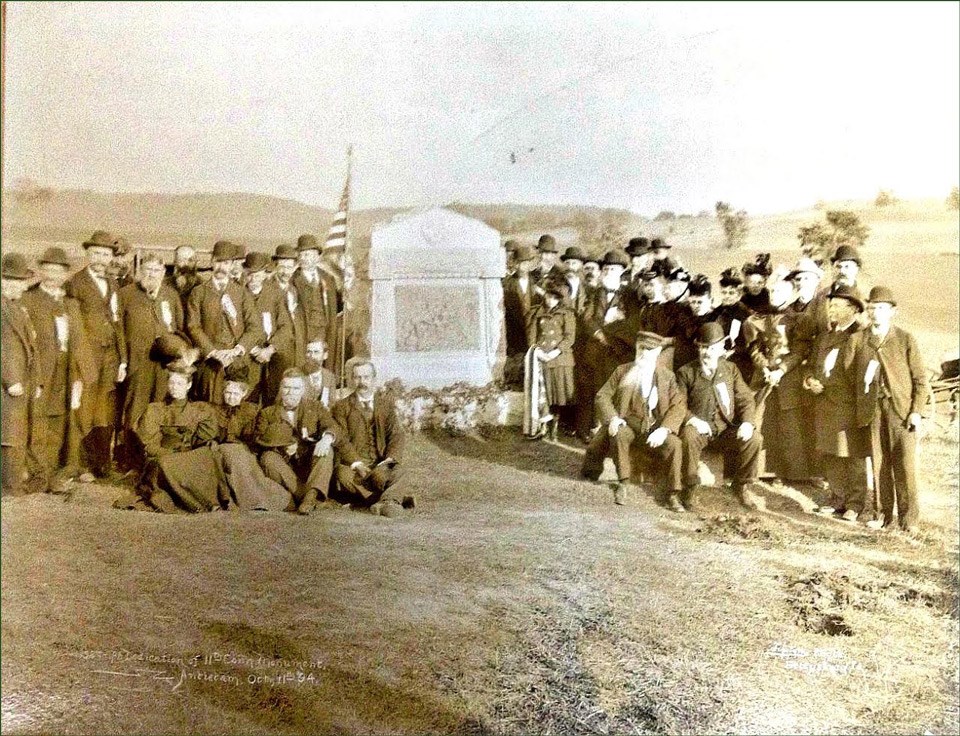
point(897, 390)
point(597, 350)
point(149, 309)
point(318, 294)
point(18, 340)
point(96, 293)
point(267, 361)
point(63, 364)
point(641, 410)
point(842, 434)
point(548, 269)
point(221, 322)
point(720, 415)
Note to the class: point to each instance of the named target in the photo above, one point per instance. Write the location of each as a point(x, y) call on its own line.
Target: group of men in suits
point(784, 358)
point(87, 361)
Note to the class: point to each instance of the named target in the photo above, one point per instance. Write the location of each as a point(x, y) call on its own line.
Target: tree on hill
point(953, 201)
point(665, 215)
point(819, 240)
point(735, 225)
point(885, 198)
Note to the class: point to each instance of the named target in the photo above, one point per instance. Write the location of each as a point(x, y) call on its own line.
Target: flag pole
point(346, 246)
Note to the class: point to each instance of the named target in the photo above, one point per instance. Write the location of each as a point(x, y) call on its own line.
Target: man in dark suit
point(96, 293)
point(519, 300)
point(63, 367)
point(304, 468)
point(318, 295)
point(294, 352)
point(549, 268)
point(370, 454)
point(598, 349)
point(221, 322)
point(572, 260)
point(720, 415)
point(271, 310)
point(17, 345)
point(184, 276)
point(641, 410)
point(843, 436)
point(898, 390)
point(148, 310)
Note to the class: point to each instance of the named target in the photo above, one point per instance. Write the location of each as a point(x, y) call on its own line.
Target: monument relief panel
point(437, 318)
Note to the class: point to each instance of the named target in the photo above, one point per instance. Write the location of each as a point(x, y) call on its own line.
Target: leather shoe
point(620, 494)
point(673, 503)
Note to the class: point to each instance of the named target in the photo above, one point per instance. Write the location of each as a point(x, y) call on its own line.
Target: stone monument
point(437, 304)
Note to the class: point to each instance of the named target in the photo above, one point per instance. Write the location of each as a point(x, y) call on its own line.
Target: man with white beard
point(596, 355)
point(641, 409)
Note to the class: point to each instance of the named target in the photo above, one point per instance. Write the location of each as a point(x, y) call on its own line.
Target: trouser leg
point(321, 471)
point(353, 488)
point(669, 458)
point(597, 450)
point(622, 446)
point(885, 476)
point(899, 464)
point(693, 444)
point(13, 466)
point(277, 469)
point(835, 472)
point(743, 457)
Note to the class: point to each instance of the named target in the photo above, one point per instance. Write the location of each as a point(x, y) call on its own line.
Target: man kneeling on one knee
point(304, 468)
point(641, 409)
point(720, 410)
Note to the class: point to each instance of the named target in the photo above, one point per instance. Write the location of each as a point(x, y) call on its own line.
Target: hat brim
point(891, 302)
point(91, 244)
point(852, 299)
point(18, 275)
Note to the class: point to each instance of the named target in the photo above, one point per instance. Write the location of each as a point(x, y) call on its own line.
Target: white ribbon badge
point(62, 328)
point(267, 323)
point(114, 307)
point(830, 362)
point(291, 302)
point(724, 397)
point(734, 330)
point(325, 396)
point(653, 399)
point(166, 314)
point(231, 311)
point(870, 374)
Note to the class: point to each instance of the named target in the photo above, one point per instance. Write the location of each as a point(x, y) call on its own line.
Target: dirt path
point(518, 600)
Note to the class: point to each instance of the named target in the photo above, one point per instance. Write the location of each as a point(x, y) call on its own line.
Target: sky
point(645, 106)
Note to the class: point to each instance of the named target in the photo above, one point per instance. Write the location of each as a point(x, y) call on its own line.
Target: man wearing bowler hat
point(318, 294)
point(277, 337)
point(597, 350)
point(720, 415)
point(221, 322)
point(842, 434)
point(548, 269)
point(639, 251)
point(18, 340)
point(286, 262)
point(149, 309)
point(64, 366)
point(572, 260)
point(641, 410)
point(519, 300)
point(510, 249)
point(896, 388)
point(96, 293)
point(847, 264)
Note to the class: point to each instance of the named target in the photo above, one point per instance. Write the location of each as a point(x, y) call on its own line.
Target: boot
point(308, 503)
point(620, 494)
point(744, 496)
point(673, 503)
point(689, 498)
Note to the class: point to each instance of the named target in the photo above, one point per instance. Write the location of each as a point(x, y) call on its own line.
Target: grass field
point(518, 600)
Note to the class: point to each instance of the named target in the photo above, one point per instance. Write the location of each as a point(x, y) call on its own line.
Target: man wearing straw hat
point(96, 293)
point(18, 346)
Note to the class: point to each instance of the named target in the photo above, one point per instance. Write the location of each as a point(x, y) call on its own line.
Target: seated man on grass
point(641, 409)
point(368, 458)
point(305, 467)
